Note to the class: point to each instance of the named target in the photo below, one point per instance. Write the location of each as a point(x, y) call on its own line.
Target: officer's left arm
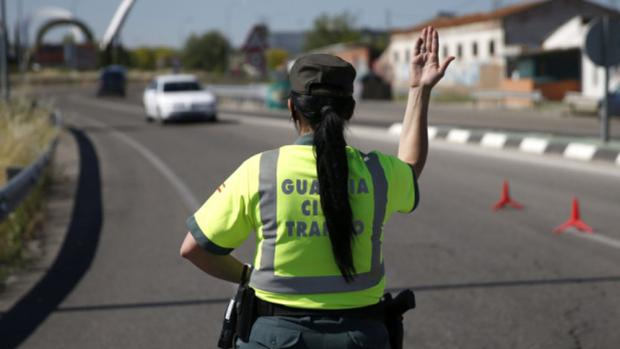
point(225, 267)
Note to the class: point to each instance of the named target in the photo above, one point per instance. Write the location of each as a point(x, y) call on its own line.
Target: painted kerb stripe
point(494, 140)
point(580, 151)
point(432, 132)
point(458, 136)
point(533, 145)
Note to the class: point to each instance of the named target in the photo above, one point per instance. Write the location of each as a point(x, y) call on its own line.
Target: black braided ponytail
point(327, 117)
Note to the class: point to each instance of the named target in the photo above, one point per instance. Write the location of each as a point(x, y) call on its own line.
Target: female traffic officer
point(318, 208)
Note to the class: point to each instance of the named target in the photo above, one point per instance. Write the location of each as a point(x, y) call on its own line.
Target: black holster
point(240, 314)
point(239, 318)
point(394, 310)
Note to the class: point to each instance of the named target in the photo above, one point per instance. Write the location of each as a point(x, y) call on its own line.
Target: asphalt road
point(483, 279)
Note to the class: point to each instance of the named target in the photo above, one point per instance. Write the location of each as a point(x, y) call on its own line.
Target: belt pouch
point(246, 312)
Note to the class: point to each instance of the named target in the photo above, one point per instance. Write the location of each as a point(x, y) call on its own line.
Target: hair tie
point(326, 109)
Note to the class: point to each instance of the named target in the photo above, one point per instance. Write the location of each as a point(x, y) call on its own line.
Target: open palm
point(425, 69)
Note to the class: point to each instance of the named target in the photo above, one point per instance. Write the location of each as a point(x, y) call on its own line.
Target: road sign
point(600, 53)
point(603, 48)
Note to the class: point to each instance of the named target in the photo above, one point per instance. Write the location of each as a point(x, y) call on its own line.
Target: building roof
point(447, 21)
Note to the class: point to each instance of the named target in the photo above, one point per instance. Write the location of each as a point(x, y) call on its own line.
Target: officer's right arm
point(219, 226)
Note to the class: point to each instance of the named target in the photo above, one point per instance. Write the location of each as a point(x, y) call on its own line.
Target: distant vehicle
point(112, 81)
point(578, 103)
point(178, 97)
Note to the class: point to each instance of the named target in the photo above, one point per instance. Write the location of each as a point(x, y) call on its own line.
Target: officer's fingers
point(445, 64)
point(434, 42)
point(428, 39)
point(418, 45)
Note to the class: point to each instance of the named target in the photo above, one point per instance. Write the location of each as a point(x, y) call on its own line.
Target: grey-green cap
point(322, 75)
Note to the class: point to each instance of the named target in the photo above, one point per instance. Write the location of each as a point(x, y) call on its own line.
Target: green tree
point(276, 57)
point(143, 58)
point(328, 30)
point(208, 51)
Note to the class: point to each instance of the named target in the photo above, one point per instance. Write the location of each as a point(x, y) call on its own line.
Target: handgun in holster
point(394, 310)
point(240, 314)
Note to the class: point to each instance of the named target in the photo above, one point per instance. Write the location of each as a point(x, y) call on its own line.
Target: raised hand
point(425, 69)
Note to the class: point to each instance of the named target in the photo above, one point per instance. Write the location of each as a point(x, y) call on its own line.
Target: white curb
point(580, 151)
point(494, 140)
point(432, 132)
point(458, 136)
point(533, 145)
point(395, 129)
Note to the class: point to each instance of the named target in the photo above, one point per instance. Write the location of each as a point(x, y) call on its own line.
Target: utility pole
point(4, 69)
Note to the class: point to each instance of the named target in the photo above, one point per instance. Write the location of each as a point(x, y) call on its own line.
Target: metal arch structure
point(56, 22)
point(44, 15)
point(116, 24)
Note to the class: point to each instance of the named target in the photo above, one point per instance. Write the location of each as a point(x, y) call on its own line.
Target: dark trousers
point(275, 332)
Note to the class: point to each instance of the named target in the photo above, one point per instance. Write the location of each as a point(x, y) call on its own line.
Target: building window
point(474, 49)
point(395, 56)
point(446, 52)
point(407, 58)
point(459, 51)
point(491, 48)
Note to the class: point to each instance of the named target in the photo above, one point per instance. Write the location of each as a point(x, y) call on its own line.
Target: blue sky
point(166, 22)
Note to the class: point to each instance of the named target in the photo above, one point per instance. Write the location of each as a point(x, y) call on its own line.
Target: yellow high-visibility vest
point(276, 194)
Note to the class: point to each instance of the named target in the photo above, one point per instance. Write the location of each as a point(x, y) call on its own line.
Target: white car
point(176, 97)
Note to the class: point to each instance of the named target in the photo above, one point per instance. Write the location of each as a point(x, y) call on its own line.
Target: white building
point(521, 47)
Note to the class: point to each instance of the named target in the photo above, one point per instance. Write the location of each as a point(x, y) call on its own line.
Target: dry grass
point(25, 132)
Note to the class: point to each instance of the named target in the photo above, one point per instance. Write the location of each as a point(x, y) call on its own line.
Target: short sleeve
point(403, 193)
point(223, 222)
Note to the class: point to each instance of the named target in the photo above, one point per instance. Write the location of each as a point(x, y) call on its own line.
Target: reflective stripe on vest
point(265, 278)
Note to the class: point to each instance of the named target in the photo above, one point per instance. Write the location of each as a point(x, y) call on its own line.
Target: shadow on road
point(192, 302)
point(509, 283)
point(73, 260)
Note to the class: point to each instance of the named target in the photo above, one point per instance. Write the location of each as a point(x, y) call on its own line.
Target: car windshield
point(180, 86)
point(113, 76)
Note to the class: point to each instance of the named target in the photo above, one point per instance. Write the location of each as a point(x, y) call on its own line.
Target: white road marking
point(494, 140)
point(618, 160)
point(596, 238)
point(458, 136)
point(580, 151)
point(533, 145)
point(189, 200)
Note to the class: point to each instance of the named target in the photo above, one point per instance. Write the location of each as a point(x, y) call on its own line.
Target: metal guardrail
point(18, 187)
point(535, 96)
point(254, 92)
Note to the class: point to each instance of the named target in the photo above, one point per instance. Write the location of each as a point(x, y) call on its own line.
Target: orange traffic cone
point(505, 199)
point(574, 221)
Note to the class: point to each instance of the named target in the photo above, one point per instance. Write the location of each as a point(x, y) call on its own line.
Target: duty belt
point(371, 312)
